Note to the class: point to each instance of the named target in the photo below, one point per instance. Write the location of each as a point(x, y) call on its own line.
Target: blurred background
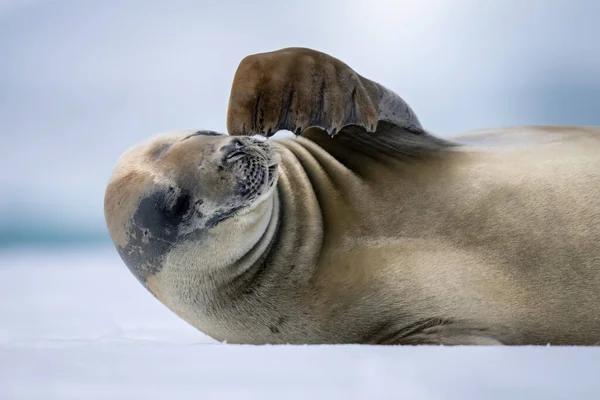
point(81, 80)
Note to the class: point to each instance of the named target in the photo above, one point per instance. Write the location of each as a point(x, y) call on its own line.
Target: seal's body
point(364, 228)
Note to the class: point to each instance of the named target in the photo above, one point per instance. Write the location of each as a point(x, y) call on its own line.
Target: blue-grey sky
point(83, 80)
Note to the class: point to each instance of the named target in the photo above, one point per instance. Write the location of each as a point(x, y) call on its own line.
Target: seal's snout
point(254, 162)
point(238, 147)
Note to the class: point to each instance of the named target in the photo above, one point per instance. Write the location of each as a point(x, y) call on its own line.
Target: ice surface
point(77, 325)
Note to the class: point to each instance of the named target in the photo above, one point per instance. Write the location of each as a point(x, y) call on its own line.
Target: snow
point(75, 324)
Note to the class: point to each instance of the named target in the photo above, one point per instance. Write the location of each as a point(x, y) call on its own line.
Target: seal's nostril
point(237, 143)
point(234, 150)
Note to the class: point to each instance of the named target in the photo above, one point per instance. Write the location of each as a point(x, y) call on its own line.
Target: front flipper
point(296, 89)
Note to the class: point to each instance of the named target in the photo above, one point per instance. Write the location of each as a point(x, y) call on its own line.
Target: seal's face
point(177, 189)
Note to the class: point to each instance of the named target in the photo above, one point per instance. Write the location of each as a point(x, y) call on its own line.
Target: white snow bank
point(81, 294)
point(77, 325)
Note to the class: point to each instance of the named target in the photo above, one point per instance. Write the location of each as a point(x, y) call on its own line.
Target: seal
point(362, 227)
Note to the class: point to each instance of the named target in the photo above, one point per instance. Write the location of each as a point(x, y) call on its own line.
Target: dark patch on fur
point(175, 206)
point(274, 329)
point(149, 238)
point(155, 229)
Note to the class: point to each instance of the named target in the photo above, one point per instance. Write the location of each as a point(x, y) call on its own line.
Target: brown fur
point(384, 233)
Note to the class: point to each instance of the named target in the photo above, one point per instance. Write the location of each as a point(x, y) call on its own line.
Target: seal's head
point(189, 202)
